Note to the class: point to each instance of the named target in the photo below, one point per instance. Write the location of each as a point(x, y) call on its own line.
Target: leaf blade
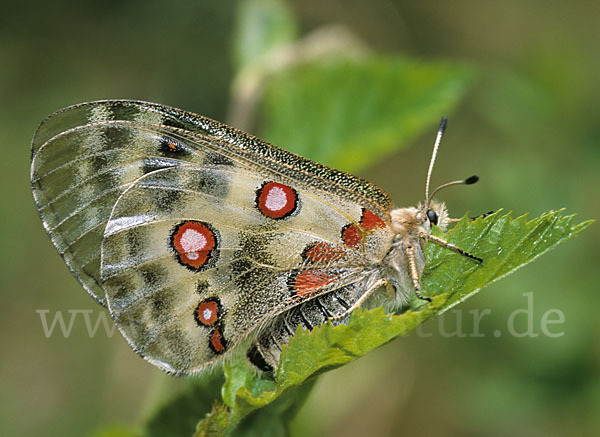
point(349, 113)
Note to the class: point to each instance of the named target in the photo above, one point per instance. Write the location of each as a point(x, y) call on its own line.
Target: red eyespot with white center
point(208, 312)
point(195, 244)
point(276, 200)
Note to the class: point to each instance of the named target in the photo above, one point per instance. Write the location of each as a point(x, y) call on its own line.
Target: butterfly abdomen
point(265, 352)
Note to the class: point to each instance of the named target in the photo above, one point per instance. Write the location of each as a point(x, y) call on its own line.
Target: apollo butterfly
point(202, 240)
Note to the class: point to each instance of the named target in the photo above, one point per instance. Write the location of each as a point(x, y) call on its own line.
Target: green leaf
point(215, 423)
point(270, 421)
point(349, 113)
point(262, 25)
point(504, 243)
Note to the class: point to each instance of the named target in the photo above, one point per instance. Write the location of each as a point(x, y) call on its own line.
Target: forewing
point(85, 156)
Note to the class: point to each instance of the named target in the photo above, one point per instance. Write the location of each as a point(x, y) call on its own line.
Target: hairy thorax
point(408, 225)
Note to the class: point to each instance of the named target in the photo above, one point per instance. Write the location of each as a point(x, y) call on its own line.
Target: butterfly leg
point(414, 272)
point(368, 293)
point(447, 245)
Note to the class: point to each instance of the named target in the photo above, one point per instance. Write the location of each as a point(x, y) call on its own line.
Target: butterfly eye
point(432, 216)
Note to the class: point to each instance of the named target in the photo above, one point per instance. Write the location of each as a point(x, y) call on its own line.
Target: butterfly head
point(407, 223)
point(435, 213)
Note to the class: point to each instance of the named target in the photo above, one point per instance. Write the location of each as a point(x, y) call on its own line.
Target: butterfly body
point(203, 240)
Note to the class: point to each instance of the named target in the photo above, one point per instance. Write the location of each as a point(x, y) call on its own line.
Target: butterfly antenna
point(436, 146)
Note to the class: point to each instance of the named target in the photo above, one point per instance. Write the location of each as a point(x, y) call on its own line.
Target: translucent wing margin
point(78, 175)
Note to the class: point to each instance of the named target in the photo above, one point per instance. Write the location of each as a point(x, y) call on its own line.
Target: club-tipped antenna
point(468, 181)
point(436, 146)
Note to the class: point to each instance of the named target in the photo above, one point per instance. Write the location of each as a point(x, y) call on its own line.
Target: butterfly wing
point(205, 233)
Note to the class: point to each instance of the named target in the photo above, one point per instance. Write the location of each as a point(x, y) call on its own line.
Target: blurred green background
point(528, 125)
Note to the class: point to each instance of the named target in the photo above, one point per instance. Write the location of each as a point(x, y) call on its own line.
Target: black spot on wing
point(172, 148)
point(123, 285)
point(256, 245)
point(213, 183)
point(135, 242)
point(161, 304)
point(202, 287)
point(152, 164)
point(167, 200)
point(153, 274)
